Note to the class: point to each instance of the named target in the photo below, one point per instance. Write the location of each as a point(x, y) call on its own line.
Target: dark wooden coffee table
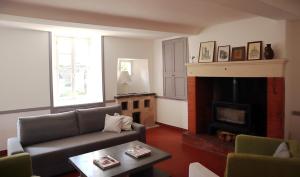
point(129, 166)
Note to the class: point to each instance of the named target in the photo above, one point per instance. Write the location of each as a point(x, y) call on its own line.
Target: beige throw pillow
point(126, 122)
point(282, 151)
point(112, 124)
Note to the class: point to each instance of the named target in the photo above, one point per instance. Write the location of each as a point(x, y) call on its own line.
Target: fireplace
point(241, 97)
point(260, 101)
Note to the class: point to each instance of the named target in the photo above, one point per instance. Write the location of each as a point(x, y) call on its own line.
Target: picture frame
point(238, 53)
point(254, 50)
point(207, 51)
point(224, 53)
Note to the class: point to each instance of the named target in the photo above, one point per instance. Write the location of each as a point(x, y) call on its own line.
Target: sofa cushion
point(37, 129)
point(52, 157)
point(282, 151)
point(92, 119)
point(112, 124)
point(126, 122)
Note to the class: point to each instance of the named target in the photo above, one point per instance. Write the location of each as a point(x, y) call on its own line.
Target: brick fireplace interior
point(239, 105)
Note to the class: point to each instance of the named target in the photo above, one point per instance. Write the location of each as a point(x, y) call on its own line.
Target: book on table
point(138, 151)
point(106, 162)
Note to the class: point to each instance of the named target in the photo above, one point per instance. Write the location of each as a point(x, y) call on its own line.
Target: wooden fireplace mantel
point(255, 68)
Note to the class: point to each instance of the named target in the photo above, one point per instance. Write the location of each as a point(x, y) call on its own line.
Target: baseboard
point(171, 126)
point(3, 153)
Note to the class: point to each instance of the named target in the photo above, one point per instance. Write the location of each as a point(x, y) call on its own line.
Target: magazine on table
point(138, 151)
point(106, 162)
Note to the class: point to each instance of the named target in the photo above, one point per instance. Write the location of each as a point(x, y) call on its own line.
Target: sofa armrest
point(18, 165)
point(248, 165)
point(256, 145)
point(141, 131)
point(198, 170)
point(14, 146)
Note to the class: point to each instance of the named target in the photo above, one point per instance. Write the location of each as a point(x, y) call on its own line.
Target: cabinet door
point(168, 56)
point(175, 57)
point(180, 58)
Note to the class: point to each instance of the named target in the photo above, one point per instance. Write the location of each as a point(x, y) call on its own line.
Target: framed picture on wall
point(254, 50)
point(238, 53)
point(224, 53)
point(207, 51)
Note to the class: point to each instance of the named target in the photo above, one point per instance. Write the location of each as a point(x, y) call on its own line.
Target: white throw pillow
point(126, 122)
point(282, 151)
point(112, 123)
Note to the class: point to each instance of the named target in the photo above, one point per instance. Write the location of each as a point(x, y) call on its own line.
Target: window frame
point(57, 109)
point(120, 60)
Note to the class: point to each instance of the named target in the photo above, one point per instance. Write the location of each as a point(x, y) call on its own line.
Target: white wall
point(24, 69)
point(24, 76)
point(292, 80)
point(115, 48)
point(236, 34)
point(172, 112)
point(240, 32)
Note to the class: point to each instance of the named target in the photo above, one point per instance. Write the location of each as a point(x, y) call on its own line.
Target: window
point(76, 70)
point(125, 65)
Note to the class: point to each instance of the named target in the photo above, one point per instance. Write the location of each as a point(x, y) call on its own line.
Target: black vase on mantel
point(269, 53)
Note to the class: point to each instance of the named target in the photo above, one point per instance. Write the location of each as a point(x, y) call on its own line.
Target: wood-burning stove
point(232, 117)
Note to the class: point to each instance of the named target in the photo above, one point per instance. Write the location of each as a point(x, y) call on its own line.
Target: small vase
point(269, 53)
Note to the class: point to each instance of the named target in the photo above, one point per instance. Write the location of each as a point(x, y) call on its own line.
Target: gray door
point(175, 56)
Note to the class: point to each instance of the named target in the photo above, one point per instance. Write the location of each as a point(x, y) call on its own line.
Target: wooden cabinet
point(142, 107)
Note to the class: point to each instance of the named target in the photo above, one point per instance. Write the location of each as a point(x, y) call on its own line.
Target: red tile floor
point(170, 140)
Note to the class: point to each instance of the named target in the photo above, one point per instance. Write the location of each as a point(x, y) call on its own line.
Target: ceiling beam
point(274, 9)
point(77, 16)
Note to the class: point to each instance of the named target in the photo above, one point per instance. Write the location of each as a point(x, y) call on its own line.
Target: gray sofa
point(52, 139)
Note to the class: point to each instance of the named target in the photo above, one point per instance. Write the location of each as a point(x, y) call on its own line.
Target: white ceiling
point(188, 12)
point(75, 28)
point(274, 9)
point(171, 16)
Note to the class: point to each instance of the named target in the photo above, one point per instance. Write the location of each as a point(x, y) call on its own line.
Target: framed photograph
point(207, 51)
point(238, 53)
point(254, 50)
point(224, 53)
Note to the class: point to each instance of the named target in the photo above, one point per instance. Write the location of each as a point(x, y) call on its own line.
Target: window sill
point(170, 98)
point(60, 109)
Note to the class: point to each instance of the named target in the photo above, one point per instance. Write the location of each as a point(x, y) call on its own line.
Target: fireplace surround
point(201, 96)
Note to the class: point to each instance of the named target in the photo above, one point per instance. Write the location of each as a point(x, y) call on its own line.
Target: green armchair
point(18, 165)
point(253, 158)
